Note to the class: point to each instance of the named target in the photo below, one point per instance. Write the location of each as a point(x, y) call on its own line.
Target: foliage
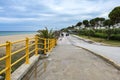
point(86, 23)
point(100, 35)
point(46, 33)
point(108, 23)
point(112, 34)
point(92, 22)
point(115, 37)
point(79, 24)
point(108, 33)
point(114, 15)
point(87, 32)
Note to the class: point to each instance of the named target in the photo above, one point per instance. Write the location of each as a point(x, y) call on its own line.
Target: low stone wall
point(23, 69)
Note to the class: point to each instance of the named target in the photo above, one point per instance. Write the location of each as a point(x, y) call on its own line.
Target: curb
point(89, 41)
point(110, 61)
point(24, 68)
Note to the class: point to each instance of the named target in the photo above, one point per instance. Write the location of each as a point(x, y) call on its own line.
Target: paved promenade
point(67, 62)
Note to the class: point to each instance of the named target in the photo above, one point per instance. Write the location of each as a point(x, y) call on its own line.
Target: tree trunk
point(108, 33)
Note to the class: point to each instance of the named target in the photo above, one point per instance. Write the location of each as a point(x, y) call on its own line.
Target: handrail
point(3, 45)
point(47, 44)
point(32, 51)
point(3, 58)
point(31, 45)
point(18, 60)
point(18, 51)
point(18, 41)
point(3, 70)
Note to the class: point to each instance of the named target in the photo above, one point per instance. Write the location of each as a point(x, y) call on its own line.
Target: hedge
point(102, 33)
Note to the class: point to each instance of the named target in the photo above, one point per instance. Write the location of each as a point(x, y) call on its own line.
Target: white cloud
point(45, 14)
point(13, 20)
point(19, 8)
point(50, 12)
point(80, 7)
point(1, 9)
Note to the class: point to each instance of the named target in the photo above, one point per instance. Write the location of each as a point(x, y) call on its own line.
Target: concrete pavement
point(68, 62)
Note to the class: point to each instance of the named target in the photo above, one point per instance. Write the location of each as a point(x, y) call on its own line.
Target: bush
point(113, 34)
point(116, 31)
point(100, 35)
point(115, 37)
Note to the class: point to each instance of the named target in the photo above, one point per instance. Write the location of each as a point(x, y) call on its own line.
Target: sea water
point(6, 33)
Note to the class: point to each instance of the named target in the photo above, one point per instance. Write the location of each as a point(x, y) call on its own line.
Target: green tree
point(92, 23)
point(114, 15)
point(79, 24)
point(86, 23)
point(96, 21)
point(108, 23)
point(101, 21)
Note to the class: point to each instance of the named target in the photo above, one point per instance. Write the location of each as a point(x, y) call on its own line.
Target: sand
point(12, 38)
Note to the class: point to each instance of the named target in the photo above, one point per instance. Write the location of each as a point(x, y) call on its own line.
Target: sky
point(32, 15)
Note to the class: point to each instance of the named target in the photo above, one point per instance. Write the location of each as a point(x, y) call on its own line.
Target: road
point(107, 51)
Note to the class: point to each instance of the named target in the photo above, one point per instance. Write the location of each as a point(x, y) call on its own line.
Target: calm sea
point(6, 33)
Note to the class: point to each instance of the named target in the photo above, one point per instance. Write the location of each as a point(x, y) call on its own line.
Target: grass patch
point(101, 40)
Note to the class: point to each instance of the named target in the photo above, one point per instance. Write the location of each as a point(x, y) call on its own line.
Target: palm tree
point(46, 33)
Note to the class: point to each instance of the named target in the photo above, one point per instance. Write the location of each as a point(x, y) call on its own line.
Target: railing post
point(36, 45)
point(54, 43)
point(48, 45)
point(27, 51)
point(44, 46)
point(8, 61)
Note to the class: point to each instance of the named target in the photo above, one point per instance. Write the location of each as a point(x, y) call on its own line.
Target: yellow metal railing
point(48, 44)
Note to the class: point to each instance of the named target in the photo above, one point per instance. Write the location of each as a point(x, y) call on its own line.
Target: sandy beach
point(12, 38)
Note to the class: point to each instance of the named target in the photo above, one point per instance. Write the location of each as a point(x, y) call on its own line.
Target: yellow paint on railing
point(8, 61)
point(27, 51)
point(44, 46)
point(3, 45)
point(18, 41)
point(18, 51)
point(36, 45)
point(18, 60)
point(48, 45)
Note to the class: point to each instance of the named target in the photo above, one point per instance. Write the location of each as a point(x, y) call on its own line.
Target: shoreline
point(13, 38)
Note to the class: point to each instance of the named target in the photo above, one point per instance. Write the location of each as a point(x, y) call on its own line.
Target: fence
point(35, 43)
